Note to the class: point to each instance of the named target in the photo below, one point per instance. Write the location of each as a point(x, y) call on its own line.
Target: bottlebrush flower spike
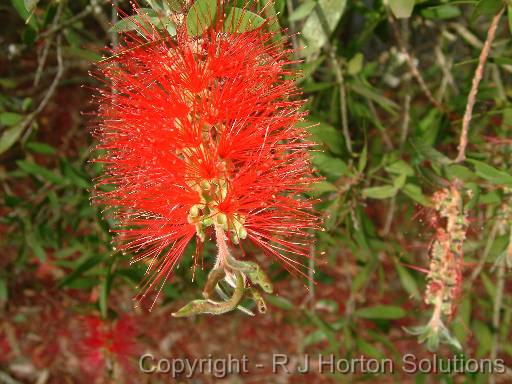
point(107, 346)
point(199, 138)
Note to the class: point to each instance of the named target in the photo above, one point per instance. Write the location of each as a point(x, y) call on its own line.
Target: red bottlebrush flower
point(104, 345)
point(199, 136)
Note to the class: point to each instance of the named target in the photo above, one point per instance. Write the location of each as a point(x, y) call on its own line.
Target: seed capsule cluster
point(446, 256)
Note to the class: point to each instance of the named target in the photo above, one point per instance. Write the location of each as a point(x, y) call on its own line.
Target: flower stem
point(223, 251)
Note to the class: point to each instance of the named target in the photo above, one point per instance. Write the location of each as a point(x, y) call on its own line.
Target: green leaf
point(30, 4)
point(314, 337)
point(200, 16)
point(10, 118)
point(325, 134)
point(355, 64)
point(327, 305)
point(489, 173)
point(369, 350)
point(83, 54)
point(399, 181)
point(401, 8)
point(400, 167)
point(240, 20)
point(509, 12)
point(387, 312)
point(105, 286)
point(86, 265)
point(19, 5)
point(280, 302)
point(322, 187)
point(460, 172)
point(330, 166)
point(134, 22)
point(484, 338)
point(371, 93)
point(327, 330)
point(407, 281)
point(4, 292)
point(441, 12)
point(9, 137)
point(415, 193)
point(486, 8)
point(363, 159)
point(321, 23)
point(430, 153)
point(34, 243)
point(302, 11)
point(42, 148)
point(38, 171)
point(383, 192)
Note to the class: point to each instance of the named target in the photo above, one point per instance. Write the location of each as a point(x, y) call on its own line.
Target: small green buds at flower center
point(206, 213)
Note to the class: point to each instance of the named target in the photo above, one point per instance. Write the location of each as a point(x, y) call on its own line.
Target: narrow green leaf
point(279, 302)
point(355, 64)
point(400, 167)
point(314, 337)
point(381, 312)
point(302, 11)
point(326, 134)
point(10, 118)
point(486, 8)
point(240, 20)
point(9, 137)
point(321, 23)
point(131, 23)
point(19, 5)
point(509, 12)
point(430, 153)
point(30, 4)
point(407, 281)
point(489, 173)
point(401, 8)
point(363, 159)
point(369, 350)
point(86, 265)
point(383, 192)
point(42, 148)
point(322, 187)
point(200, 16)
point(399, 181)
point(374, 95)
point(39, 171)
point(414, 192)
point(326, 328)
point(4, 292)
point(441, 12)
point(330, 166)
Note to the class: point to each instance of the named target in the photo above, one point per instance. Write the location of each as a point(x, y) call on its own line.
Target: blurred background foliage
point(387, 84)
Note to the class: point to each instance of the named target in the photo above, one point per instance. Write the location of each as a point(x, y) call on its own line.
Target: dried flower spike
point(445, 272)
point(199, 139)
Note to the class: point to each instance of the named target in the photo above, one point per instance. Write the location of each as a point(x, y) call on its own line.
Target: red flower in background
point(106, 346)
point(199, 133)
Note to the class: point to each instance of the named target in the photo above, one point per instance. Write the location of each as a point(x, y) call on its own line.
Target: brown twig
point(463, 142)
point(338, 72)
point(413, 68)
point(293, 29)
point(46, 49)
point(51, 90)
point(343, 98)
point(59, 27)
